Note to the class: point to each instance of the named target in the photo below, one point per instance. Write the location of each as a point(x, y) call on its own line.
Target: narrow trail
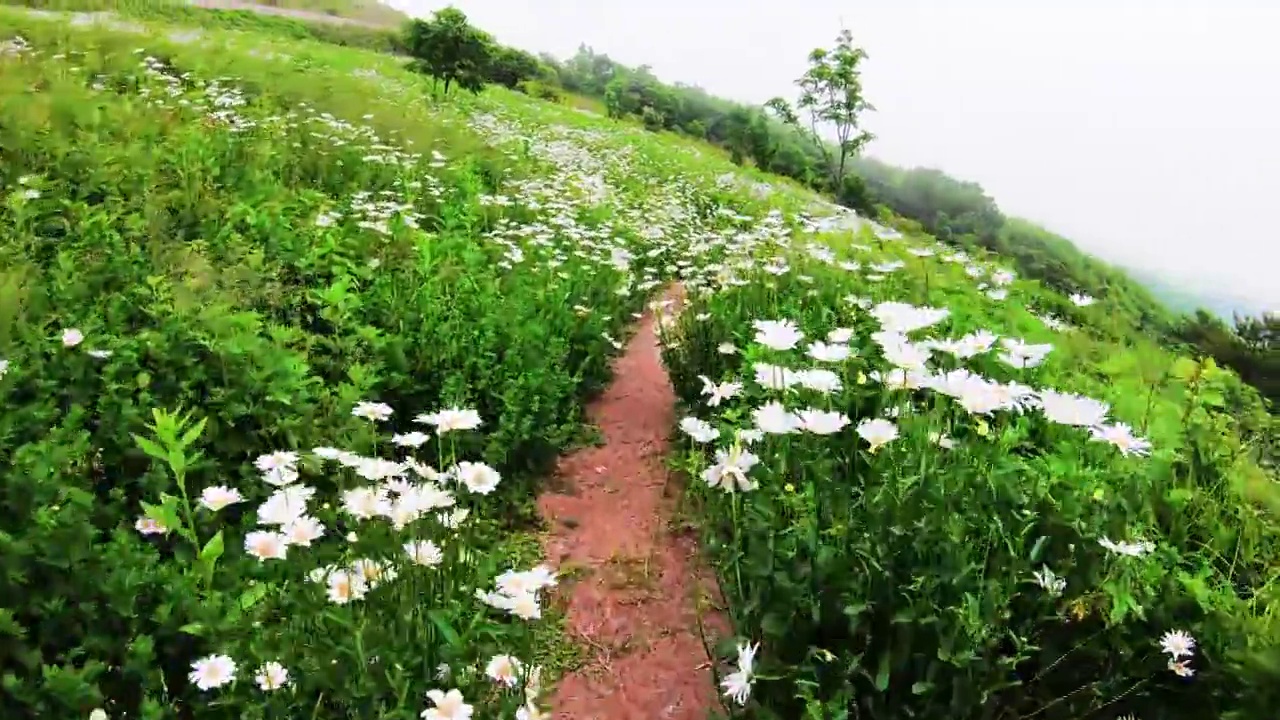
point(635, 588)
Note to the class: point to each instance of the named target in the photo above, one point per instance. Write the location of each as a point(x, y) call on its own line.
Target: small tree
point(831, 92)
point(449, 48)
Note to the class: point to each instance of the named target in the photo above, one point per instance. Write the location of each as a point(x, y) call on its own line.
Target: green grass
point(265, 229)
point(185, 242)
point(371, 12)
point(380, 35)
point(365, 11)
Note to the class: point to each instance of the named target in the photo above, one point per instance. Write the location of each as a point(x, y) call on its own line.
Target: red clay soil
point(637, 584)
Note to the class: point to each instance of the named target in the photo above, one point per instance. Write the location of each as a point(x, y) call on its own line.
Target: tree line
point(817, 141)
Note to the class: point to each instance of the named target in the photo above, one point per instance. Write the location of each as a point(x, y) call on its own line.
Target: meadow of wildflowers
point(279, 376)
point(927, 498)
point(285, 343)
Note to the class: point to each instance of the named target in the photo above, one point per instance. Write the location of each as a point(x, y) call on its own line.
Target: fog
point(1146, 132)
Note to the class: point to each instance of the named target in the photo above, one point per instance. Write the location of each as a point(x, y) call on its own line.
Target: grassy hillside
point(288, 342)
point(371, 12)
point(374, 36)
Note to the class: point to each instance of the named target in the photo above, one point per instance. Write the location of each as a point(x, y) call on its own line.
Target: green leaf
point(920, 688)
point(442, 624)
point(191, 435)
point(1179, 496)
point(252, 596)
point(1038, 548)
point(882, 675)
point(248, 599)
point(166, 513)
point(1184, 367)
point(855, 609)
point(177, 461)
point(151, 448)
point(212, 550)
point(192, 629)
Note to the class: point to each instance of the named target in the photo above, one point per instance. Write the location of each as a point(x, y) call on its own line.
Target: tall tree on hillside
point(586, 72)
point(449, 48)
point(831, 92)
point(737, 133)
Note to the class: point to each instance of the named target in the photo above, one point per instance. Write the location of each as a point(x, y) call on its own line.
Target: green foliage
point(449, 48)
point(747, 133)
point(509, 67)
point(901, 582)
point(831, 92)
point(365, 12)
point(231, 244)
point(957, 211)
point(638, 93)
point(540, 90)
point(216, 249)
point(1251, 347)
point(946, 208)
point(586, 72)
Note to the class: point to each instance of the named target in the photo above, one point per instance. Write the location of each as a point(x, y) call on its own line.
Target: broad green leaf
point(212, 550)
point(446, 629)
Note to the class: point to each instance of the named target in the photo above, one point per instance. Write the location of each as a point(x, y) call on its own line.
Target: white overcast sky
point(1146, 131)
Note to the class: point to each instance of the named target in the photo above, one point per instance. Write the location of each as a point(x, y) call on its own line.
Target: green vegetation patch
point(288, 336)
point(928, 497)
point(280, 376)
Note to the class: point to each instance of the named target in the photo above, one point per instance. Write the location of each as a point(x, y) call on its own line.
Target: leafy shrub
point(541, 91)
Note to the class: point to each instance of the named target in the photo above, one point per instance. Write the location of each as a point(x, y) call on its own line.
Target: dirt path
point(287, 12)
point(633, 602)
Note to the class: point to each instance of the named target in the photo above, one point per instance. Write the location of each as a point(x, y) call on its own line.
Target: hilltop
point(329, 389)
